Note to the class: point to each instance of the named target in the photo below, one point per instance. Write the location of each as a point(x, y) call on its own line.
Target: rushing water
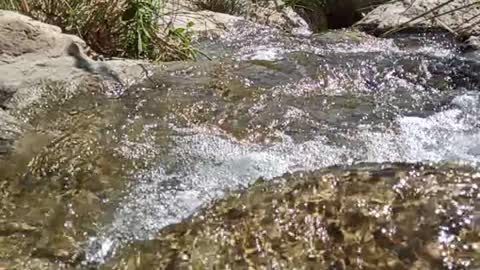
point(314, 102)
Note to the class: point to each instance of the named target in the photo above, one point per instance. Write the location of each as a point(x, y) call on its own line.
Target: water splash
point(203, 165)
point(453, 134)
point(208, 165)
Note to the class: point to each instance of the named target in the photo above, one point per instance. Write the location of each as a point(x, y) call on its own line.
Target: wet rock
point(341, 36)
point(393, 216)
point(58, 169)
point(36, 264)
point(6, 94)
point(450, 17)
point(10, 130)
point(64, 202)
point(56, 184)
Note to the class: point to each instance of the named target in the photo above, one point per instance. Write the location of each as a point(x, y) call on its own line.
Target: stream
point(315, 103)
point(267, 104)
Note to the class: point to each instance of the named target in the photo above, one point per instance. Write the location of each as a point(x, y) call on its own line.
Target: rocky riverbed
point(333, 150)
point(368, 216)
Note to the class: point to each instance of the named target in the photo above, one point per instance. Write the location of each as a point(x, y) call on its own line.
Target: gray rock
point(272, 13)
point(31, 51)
point(276, 13)
point(205, 22)
point(34, 54)
point(26, 39)
point(400, 13)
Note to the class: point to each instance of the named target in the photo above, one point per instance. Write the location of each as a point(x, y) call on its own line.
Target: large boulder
point(26, 47)
point(32, 56)
point(276, 13)
point(32, 51)
point(459, 16)
point(216, 19)
point(51, 122)
point(25, 38)
point(203, 22)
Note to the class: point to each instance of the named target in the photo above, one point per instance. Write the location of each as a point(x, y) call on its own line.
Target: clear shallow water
point(208, 165)
point(324, 103)
point(211, 164)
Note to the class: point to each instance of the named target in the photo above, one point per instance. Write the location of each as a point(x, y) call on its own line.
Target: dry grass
point(124, 28)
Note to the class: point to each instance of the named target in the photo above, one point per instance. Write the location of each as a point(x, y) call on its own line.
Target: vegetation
point(125, 28)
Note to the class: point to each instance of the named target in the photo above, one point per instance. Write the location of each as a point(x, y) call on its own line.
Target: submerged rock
point(368, 216)
point(57, 184)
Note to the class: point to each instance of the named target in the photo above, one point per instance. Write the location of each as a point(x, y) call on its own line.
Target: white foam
point(263, 53)
point(208, 165)
point(453, 134)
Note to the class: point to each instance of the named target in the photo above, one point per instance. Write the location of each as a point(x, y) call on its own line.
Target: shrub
point(125, 28)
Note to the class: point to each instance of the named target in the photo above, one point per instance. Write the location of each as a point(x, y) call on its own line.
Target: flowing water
point(271, 103)
point(298, 104)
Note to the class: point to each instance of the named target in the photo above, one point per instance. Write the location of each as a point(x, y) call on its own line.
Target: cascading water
point(315, 102)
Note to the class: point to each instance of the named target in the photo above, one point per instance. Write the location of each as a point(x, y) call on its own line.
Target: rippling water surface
point(310, 103)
